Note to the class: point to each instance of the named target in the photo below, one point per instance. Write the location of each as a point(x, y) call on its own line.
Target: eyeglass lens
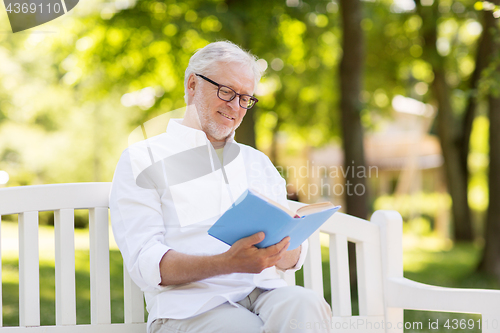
point(227, 94)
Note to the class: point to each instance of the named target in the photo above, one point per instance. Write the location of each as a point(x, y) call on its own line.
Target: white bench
point(383, 291)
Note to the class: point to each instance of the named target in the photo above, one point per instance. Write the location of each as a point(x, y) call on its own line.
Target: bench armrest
point(408, 294)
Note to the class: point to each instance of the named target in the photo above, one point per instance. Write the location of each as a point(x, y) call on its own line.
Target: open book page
point(314, 208)
point(302, 211)
point(272, 202)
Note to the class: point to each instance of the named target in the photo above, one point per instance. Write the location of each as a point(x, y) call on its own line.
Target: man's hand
point(289, 259)
point(244, 257)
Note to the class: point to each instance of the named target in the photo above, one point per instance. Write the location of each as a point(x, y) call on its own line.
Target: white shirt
point(150, 217)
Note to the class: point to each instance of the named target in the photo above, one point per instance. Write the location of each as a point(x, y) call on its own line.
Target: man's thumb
point(256, 238)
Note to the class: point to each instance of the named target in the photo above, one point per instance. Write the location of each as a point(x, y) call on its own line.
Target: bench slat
point(29, 285)
point(133, 299)
point(339, 276)
point(313, 277)
point(39, 198)
point(112, 328)
point(370, 287)
point(65, 266)
point(99, 266)
point(356, 229)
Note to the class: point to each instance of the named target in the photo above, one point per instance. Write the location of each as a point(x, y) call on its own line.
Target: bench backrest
point(341, 229)
point(63, 199)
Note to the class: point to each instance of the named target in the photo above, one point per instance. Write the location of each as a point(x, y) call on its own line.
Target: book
point(252, 212)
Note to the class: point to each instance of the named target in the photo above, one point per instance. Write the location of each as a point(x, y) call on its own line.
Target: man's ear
point(191, 85)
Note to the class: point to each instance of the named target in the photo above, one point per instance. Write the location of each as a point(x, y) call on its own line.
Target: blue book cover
point(252, 213)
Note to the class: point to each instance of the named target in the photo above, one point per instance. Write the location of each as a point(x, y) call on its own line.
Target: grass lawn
point(10, 276)
point(427, 260)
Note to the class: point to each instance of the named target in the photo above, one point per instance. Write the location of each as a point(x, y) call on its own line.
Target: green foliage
point(490, 81)
point(478, 164)
point(62, 118)
point(426, 204)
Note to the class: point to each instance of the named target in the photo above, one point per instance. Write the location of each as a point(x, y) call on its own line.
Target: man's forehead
point(234, 75)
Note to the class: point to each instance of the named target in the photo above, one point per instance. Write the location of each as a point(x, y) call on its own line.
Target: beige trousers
point(287, 309)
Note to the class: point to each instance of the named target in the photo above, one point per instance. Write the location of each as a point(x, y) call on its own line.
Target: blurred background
point(375, 104)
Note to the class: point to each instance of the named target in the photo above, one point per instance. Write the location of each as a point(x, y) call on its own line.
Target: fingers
point(278, 248)
point(277, 256)
point(247, 258)
point(270, 250)
point(256, 238)
point(252, 240)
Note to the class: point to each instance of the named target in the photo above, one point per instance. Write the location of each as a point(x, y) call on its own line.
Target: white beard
point(211, 127)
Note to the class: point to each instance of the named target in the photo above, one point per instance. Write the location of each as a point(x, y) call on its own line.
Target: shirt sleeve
point(302, 258)
point(138, 227)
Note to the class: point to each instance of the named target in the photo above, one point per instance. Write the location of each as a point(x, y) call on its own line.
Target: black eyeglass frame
point(235, 93)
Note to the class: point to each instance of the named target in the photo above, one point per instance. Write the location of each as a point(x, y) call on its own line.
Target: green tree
point(490, 262)
point(351, 76)
point(450, 129)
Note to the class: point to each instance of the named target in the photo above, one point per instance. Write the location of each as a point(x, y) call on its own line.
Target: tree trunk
point(351, 74)
point(456, 175)
point(483, 55)
point(273, 154)
point(490, 262)
point(246, 132)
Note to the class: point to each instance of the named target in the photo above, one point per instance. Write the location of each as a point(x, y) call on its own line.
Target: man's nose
point(235, 103)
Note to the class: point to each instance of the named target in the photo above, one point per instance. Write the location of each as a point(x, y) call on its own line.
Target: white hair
point(204, 59)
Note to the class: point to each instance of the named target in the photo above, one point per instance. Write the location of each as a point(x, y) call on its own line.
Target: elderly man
point(161, 212)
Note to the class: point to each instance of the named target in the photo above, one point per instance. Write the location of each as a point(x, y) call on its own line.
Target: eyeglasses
point(227, 94)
